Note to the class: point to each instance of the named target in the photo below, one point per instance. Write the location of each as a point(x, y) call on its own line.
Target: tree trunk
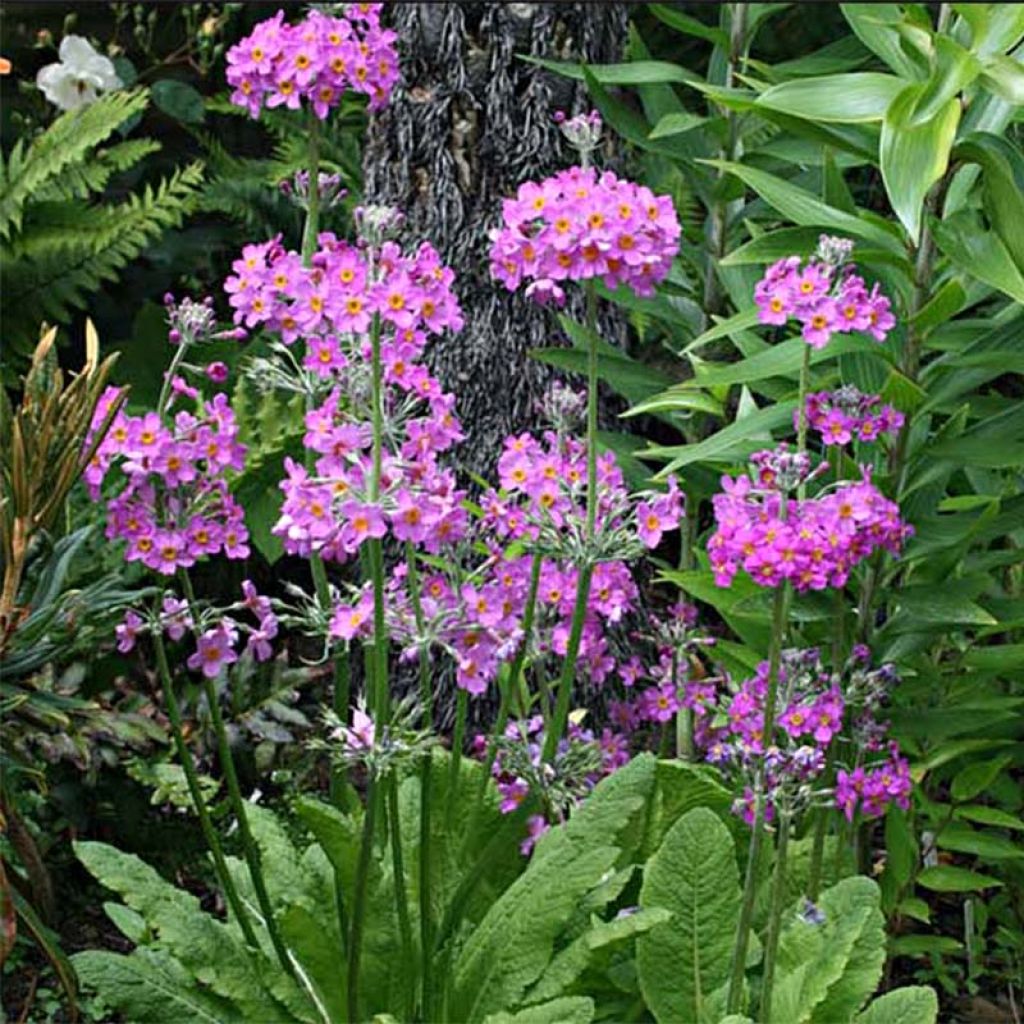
point(470, 122)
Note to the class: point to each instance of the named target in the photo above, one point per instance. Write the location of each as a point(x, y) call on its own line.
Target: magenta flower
point(127, 632)
point(214, 651)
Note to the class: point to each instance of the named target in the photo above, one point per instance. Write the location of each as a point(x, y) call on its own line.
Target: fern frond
point(29, 167)
point(53, 269)
point(79, 180)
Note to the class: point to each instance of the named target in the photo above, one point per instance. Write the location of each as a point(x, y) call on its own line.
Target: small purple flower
point(213, 652)
point(536, 826)
point(127, 632)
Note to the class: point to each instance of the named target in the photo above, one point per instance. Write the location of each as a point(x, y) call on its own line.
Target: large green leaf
point(911, 1005)
point(1004, 199)
point(861, 96)
point(570, 1010)
point(694, 875)
point(802, 207)
point(827, 972)
point(152, 988)
point(914, 157)
point(509, 950)
point(733, 442)
point(947, 878)
point(874, 25)
point(569, 963)
point(981, 254)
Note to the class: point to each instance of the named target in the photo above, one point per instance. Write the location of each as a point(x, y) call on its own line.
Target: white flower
point(80, 75)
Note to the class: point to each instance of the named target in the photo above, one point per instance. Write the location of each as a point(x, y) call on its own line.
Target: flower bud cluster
point(216, 645)
point(814, 710)
point(847, 414)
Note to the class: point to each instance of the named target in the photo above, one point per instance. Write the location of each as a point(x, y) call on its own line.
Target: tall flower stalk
point(586, 570)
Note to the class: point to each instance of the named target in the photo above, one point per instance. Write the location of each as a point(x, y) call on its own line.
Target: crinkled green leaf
point(695, 876)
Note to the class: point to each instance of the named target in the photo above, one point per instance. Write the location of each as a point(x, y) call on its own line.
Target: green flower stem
point(801, 429)
point(249, 847)
point(512, 680)
point(591, 323)
point(684, 719)
point(771, 948)
point(401, 895)
point(237, 802)
point(561, 714)
point(426, 697)
point(196, 793)
point(739, 959)
point(311, 228)
point(425, 894)
point(556, 727)
point(455, 764)
point(376, 549)
point(820, 828)
point(355, 938)
point(165, 390)
point(509, 683)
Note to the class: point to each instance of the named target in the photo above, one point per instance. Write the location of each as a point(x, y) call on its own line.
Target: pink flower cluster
point(814, 542)
point(339, 294)
point(543, 488)
point(581, 224)
point(330, 511)
point(316, 60)
point(479, 623)
point(842, 415)
point(813, 705)
point(519, 767)
point(215, 646)
point(175, 506)
point(823, 300)
point(871, 790)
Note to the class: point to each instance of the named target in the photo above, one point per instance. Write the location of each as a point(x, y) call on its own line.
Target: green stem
point(227, 764)
point(311, 228)
point(561, 715)
point(401, 895)
point(376, 549)
point(739, 959)
point(249, 847)
point(426, 909)
point(355, 941)
point(801, 432)
point(165, 391)
point(196, 793)
point(820, 828)
point(771, 948)
point(716, 231)
point(591, 322)
point(684, 719)
point(454, 766)
point(426, 697)
point(556, 727)
point(515, 672)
